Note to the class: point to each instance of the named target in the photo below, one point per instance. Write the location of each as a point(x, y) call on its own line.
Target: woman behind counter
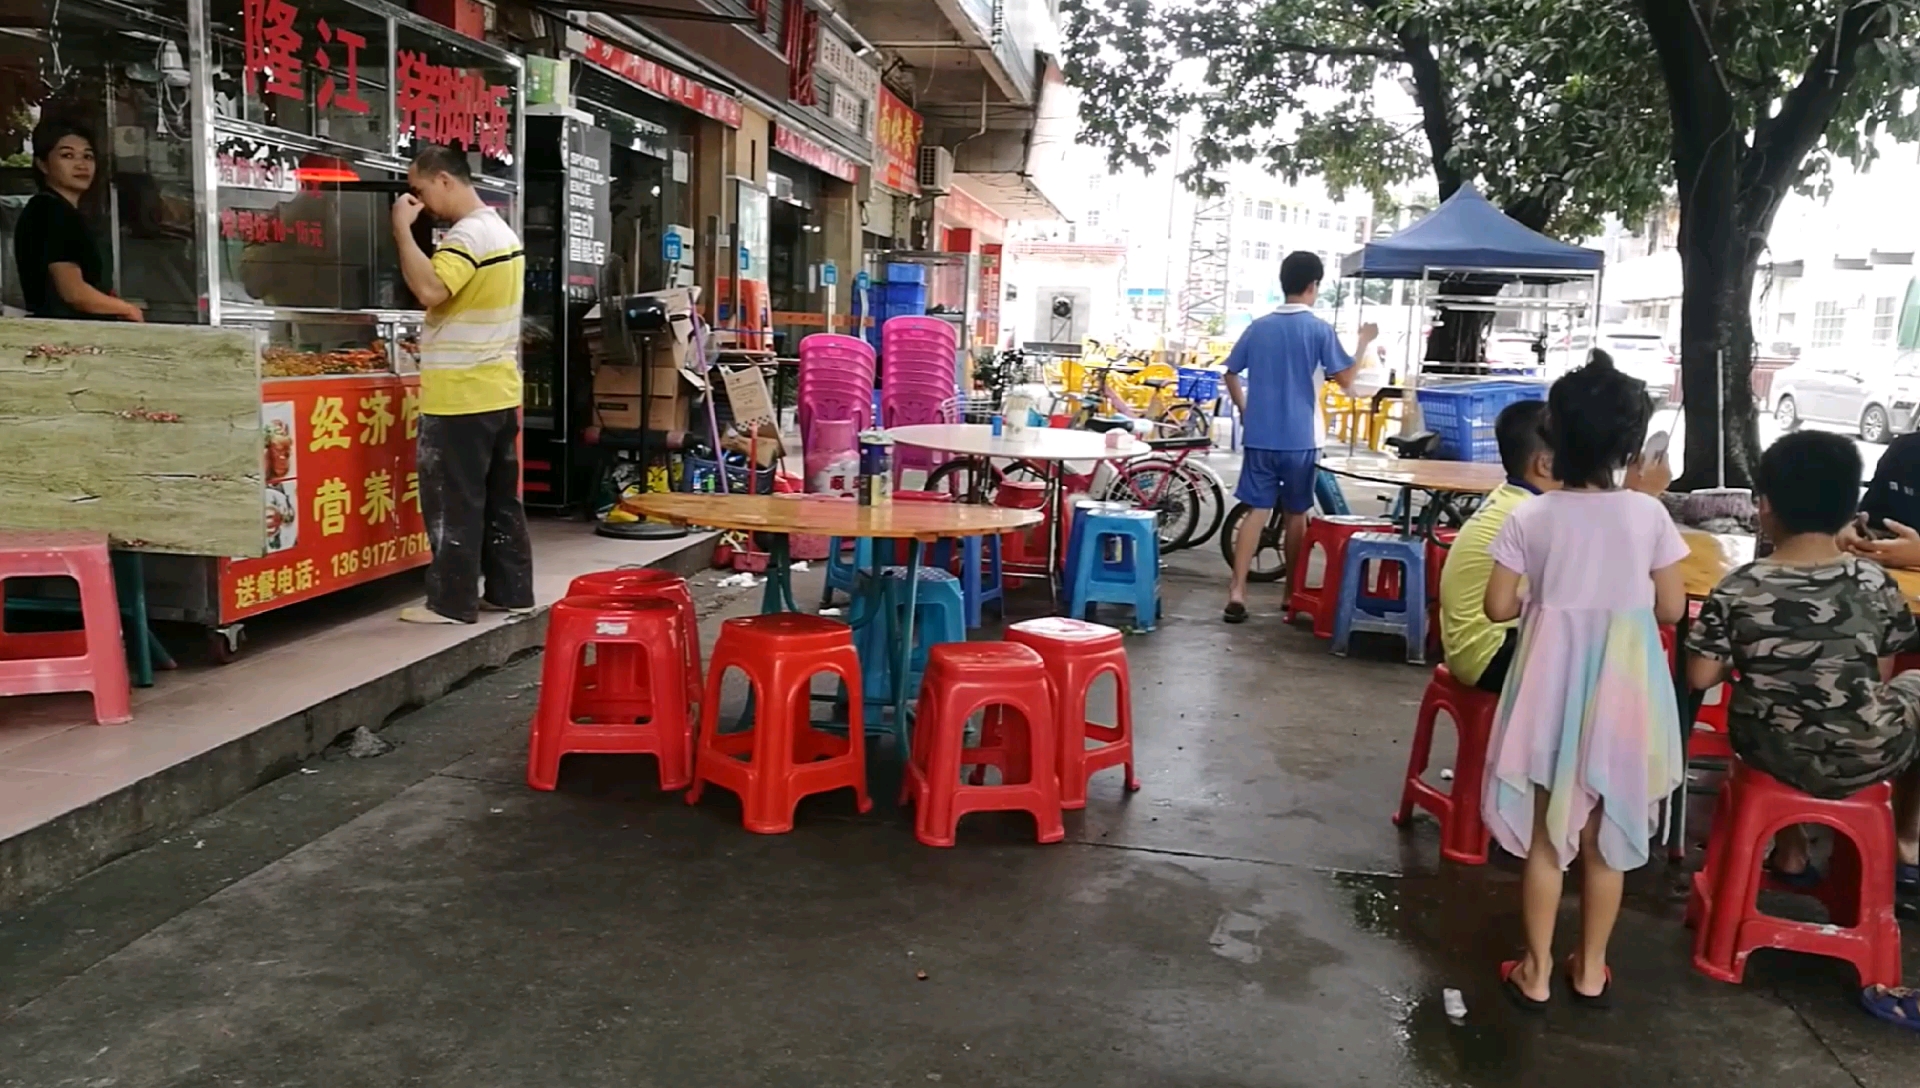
point(61, 273)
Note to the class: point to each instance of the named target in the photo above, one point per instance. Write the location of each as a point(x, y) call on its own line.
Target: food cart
point(288, 126)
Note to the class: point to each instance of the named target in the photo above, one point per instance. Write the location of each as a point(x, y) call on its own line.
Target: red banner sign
point(896, 145)
point(987, 330)
point(822, 158)
point(663, 81)
point(343, 492)
point(959, 209)
point(450, 106)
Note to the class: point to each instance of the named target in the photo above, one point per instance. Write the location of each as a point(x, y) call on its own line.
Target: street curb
point(47, 857)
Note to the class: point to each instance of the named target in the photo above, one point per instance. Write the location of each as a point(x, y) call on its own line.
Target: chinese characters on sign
point(342, 492)
point(896, 145)
point(273, 57)
point(266, 228)
point(273, 175)
point(589, 209)
point(795, 146)
point(451, 106)
point(658, 79)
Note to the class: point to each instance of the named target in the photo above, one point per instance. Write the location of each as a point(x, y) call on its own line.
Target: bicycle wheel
point(962, 478)
point(1161, 487)
point(1186, 420)
point(1270, 561)
point(1213, 501)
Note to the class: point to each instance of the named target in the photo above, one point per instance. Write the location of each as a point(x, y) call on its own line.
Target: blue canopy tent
point(1466, 235)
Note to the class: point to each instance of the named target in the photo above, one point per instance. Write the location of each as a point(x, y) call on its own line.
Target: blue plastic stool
point(1085, 505)
point(981, 581)
point(1114, 557)
point(939, 616)
point(1406, 615)
point(843, 573)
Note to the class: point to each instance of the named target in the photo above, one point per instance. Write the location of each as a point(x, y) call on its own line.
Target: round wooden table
point(1444, 481)
point(780, 516)
point(1048, 449)
point(1711, 555)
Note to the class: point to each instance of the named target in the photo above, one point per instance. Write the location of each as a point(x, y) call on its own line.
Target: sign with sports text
point(343, 491)
point(822, 158)
point(658, 79)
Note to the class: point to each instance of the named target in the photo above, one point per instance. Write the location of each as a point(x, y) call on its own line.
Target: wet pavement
point(1249, 918)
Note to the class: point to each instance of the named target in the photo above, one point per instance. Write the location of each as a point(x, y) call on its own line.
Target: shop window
point(1884, 318)
point(1262, 251)
point(320, 68)
point(1829, 324)
point(448, 94)
point(1325, 221)
point(120, 70)
point(1266, 209)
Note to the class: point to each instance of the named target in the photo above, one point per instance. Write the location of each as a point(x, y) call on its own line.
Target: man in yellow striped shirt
point(469, 394)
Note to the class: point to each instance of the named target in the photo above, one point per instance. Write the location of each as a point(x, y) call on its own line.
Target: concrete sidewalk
point(1250, 918)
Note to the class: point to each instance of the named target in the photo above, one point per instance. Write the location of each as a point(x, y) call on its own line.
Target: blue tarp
point(1466, 232)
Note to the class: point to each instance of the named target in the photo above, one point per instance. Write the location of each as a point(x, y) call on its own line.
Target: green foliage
point(1552, 107)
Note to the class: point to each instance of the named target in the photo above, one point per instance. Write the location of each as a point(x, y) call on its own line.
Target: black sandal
point(1235, 612)
point(1514, 993)
point(1601, 1000)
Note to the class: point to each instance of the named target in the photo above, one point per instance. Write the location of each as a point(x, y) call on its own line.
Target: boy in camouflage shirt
point(1810, 633)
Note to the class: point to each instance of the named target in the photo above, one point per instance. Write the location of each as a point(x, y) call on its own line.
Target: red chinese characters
point(444, 105)
point(262, 228)
point(271, 43)
point(348, 99)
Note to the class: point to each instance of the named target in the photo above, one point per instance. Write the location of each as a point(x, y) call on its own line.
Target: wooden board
point(1711, 555)
point(1453, 477)
point(148, 433)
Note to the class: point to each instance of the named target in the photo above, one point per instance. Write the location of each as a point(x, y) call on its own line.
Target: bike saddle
point(1414, 447)
point(1109, 423)
point(1195, 442)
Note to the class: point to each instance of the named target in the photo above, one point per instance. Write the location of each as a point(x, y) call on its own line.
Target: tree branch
point(1781, 142)
point(1347, 52)
point(1430, 92)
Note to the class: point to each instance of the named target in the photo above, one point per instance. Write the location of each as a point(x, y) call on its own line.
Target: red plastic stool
point(783, 757)
point(640, 584)
point(645, 713)
point(1463, 835)
point(92, 659)
point(1331, 533)
point(1029, 545)
point(1009, 681)
point(1076, 654)
point(1857, 890)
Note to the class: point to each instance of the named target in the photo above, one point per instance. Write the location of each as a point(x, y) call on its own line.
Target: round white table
point(1047, 449)
point(1029, 444)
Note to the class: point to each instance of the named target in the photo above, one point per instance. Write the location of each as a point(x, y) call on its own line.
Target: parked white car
point(1869, 393)
point(1641, 354)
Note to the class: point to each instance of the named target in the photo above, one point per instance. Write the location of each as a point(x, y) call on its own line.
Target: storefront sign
point(283, 52)
point(849, 109)
point(821, 158)
point(658, 79)
point(960, 210)
point(896, 145)
point(268, 228)
point(275, 175)
point(589, 209)
point(836, 60)
point(343, 491)
point(987, 329)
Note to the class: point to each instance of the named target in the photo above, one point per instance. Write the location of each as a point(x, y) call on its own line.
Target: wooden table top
point(827, 515)
point(1029, 444)
point(1711, 555)
point(1457, 477)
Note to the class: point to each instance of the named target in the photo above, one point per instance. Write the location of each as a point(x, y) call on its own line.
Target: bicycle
point(1183, 493)
point(1173, 416)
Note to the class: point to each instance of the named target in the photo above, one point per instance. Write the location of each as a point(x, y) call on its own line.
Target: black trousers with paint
point(470, 497)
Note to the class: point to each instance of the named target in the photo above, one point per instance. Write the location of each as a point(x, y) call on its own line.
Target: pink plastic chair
point(825, 354)
point(918, 347)
point(92, 659)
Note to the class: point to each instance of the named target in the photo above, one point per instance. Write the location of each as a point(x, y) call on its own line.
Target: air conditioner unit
point(936, 169)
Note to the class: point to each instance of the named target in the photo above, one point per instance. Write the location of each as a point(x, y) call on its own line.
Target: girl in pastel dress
point(1586, 743)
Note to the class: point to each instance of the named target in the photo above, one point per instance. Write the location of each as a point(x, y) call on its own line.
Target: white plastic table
point(1047, 449)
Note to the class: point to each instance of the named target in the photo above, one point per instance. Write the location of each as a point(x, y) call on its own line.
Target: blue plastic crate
point(907, 273)
point(1199, 384)
point(904, 298)
point(1463, 416)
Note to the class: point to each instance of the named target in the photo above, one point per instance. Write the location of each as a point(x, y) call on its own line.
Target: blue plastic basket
point(907, 273)
point(905, 298)
point(1199, 384)
point(1463, 416)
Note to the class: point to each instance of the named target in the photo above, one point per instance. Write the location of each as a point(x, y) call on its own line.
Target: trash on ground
point(742, 579)
point(367, 744)
point(1446, 774)
point(799, 568)
point(831, 611)
point(1456, 1005)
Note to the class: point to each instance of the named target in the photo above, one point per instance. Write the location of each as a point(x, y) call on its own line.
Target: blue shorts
point(1278, 478)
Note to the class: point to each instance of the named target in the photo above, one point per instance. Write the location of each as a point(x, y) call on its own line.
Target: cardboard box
point(624, 413)
point(626, 381)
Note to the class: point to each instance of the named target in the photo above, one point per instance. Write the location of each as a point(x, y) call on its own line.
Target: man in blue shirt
point(1284, 353)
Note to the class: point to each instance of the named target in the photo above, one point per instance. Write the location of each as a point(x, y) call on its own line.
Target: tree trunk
point(1716, 353)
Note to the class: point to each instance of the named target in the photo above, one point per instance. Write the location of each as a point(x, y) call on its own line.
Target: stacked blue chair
point(939, 615)
point(845, 568)
point(1113, 557)
point(1405, 616)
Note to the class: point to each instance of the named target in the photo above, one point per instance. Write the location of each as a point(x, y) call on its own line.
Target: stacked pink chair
point(917, 385)
point(836, 398)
